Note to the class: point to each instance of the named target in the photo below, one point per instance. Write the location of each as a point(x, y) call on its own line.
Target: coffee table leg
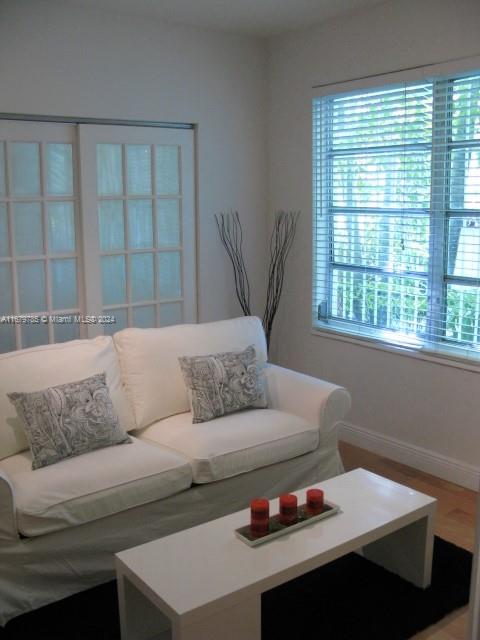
point(407, 552)
point(240, 622)
point(139, 618)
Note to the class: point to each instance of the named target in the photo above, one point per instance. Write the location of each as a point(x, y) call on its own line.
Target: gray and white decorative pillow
point(68, 420)
point(222, 383)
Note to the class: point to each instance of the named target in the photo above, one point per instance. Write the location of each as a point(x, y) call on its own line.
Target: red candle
point(259, 517)
point(314, 501)
point(288, 508)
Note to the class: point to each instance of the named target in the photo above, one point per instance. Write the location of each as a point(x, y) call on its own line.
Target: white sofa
point(60, 525)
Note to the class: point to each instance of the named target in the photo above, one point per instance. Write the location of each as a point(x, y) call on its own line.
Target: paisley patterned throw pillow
point(68, 420)
point(222, 383)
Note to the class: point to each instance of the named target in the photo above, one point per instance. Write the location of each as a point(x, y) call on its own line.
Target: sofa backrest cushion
point(149, 360)
point(37, 368)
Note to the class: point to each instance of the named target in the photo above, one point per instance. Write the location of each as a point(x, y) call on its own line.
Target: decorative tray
point(276, 529)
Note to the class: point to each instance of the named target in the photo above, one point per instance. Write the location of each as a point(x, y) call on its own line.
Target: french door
point(40, 275)
point(138, 225)
point(97, 230)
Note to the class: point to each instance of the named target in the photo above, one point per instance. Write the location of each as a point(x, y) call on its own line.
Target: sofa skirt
point(37, 571)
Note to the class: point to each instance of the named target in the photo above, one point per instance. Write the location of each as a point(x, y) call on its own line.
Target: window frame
point(439, 213)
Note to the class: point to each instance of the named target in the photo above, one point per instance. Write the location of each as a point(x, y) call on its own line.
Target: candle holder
point(259, 517)
point(288, 509)
point(315, 500)
point(290, 518)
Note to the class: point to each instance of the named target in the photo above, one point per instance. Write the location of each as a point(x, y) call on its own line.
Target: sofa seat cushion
point(235, 443)
point(92, 486)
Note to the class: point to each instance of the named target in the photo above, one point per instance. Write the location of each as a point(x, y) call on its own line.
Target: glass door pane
point(4, 235)
point(59, 169)
point(27, 221)
point(25, 168)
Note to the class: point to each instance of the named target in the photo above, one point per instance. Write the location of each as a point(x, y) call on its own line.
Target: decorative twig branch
point(281, 240)
point(231, 235)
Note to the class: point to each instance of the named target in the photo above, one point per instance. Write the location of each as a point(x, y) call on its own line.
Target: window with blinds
point(396, 177)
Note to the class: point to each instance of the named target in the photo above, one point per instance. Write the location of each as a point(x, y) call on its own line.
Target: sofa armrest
point(315, 400)
point(8, 523)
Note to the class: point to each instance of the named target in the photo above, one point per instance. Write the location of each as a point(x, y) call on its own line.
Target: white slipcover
point(39, 569)
point(93, 485)
point(235, 443)
point(50, 365)
point(149, 360)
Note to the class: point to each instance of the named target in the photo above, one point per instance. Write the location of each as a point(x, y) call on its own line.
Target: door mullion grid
point(182, 248)
point(90, 137)
point(180, 215)
point(11, 230)
point(155, 235)
point(180, 221)
point(81, 284)
point(43, 200)
point(46, 248)
point(85, 200)
point(128, 289)
point(441, 131)
point(142, 303)
point(129, 306)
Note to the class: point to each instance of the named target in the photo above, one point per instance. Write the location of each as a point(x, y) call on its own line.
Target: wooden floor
point(455, 519)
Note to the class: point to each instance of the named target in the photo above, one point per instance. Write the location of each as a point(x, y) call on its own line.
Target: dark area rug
point(349, 599)
point(354, 599)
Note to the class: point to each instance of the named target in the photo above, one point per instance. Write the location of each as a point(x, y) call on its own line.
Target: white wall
point(62, 60)
point(422, 413)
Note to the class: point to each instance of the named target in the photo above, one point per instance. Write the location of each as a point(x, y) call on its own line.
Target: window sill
point(366, 342)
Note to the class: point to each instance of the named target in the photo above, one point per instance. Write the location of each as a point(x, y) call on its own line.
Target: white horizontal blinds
point(460, 320)
point(397, 213)
point(39, 270)
point(372, 196)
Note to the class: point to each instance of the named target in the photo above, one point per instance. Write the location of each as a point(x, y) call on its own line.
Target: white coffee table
point(204, 583)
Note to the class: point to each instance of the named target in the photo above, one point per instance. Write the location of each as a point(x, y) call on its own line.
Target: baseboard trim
point(424, 460)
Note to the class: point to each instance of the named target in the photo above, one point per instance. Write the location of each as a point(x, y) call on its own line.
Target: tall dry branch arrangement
point(281, 240)
point(231, 235)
